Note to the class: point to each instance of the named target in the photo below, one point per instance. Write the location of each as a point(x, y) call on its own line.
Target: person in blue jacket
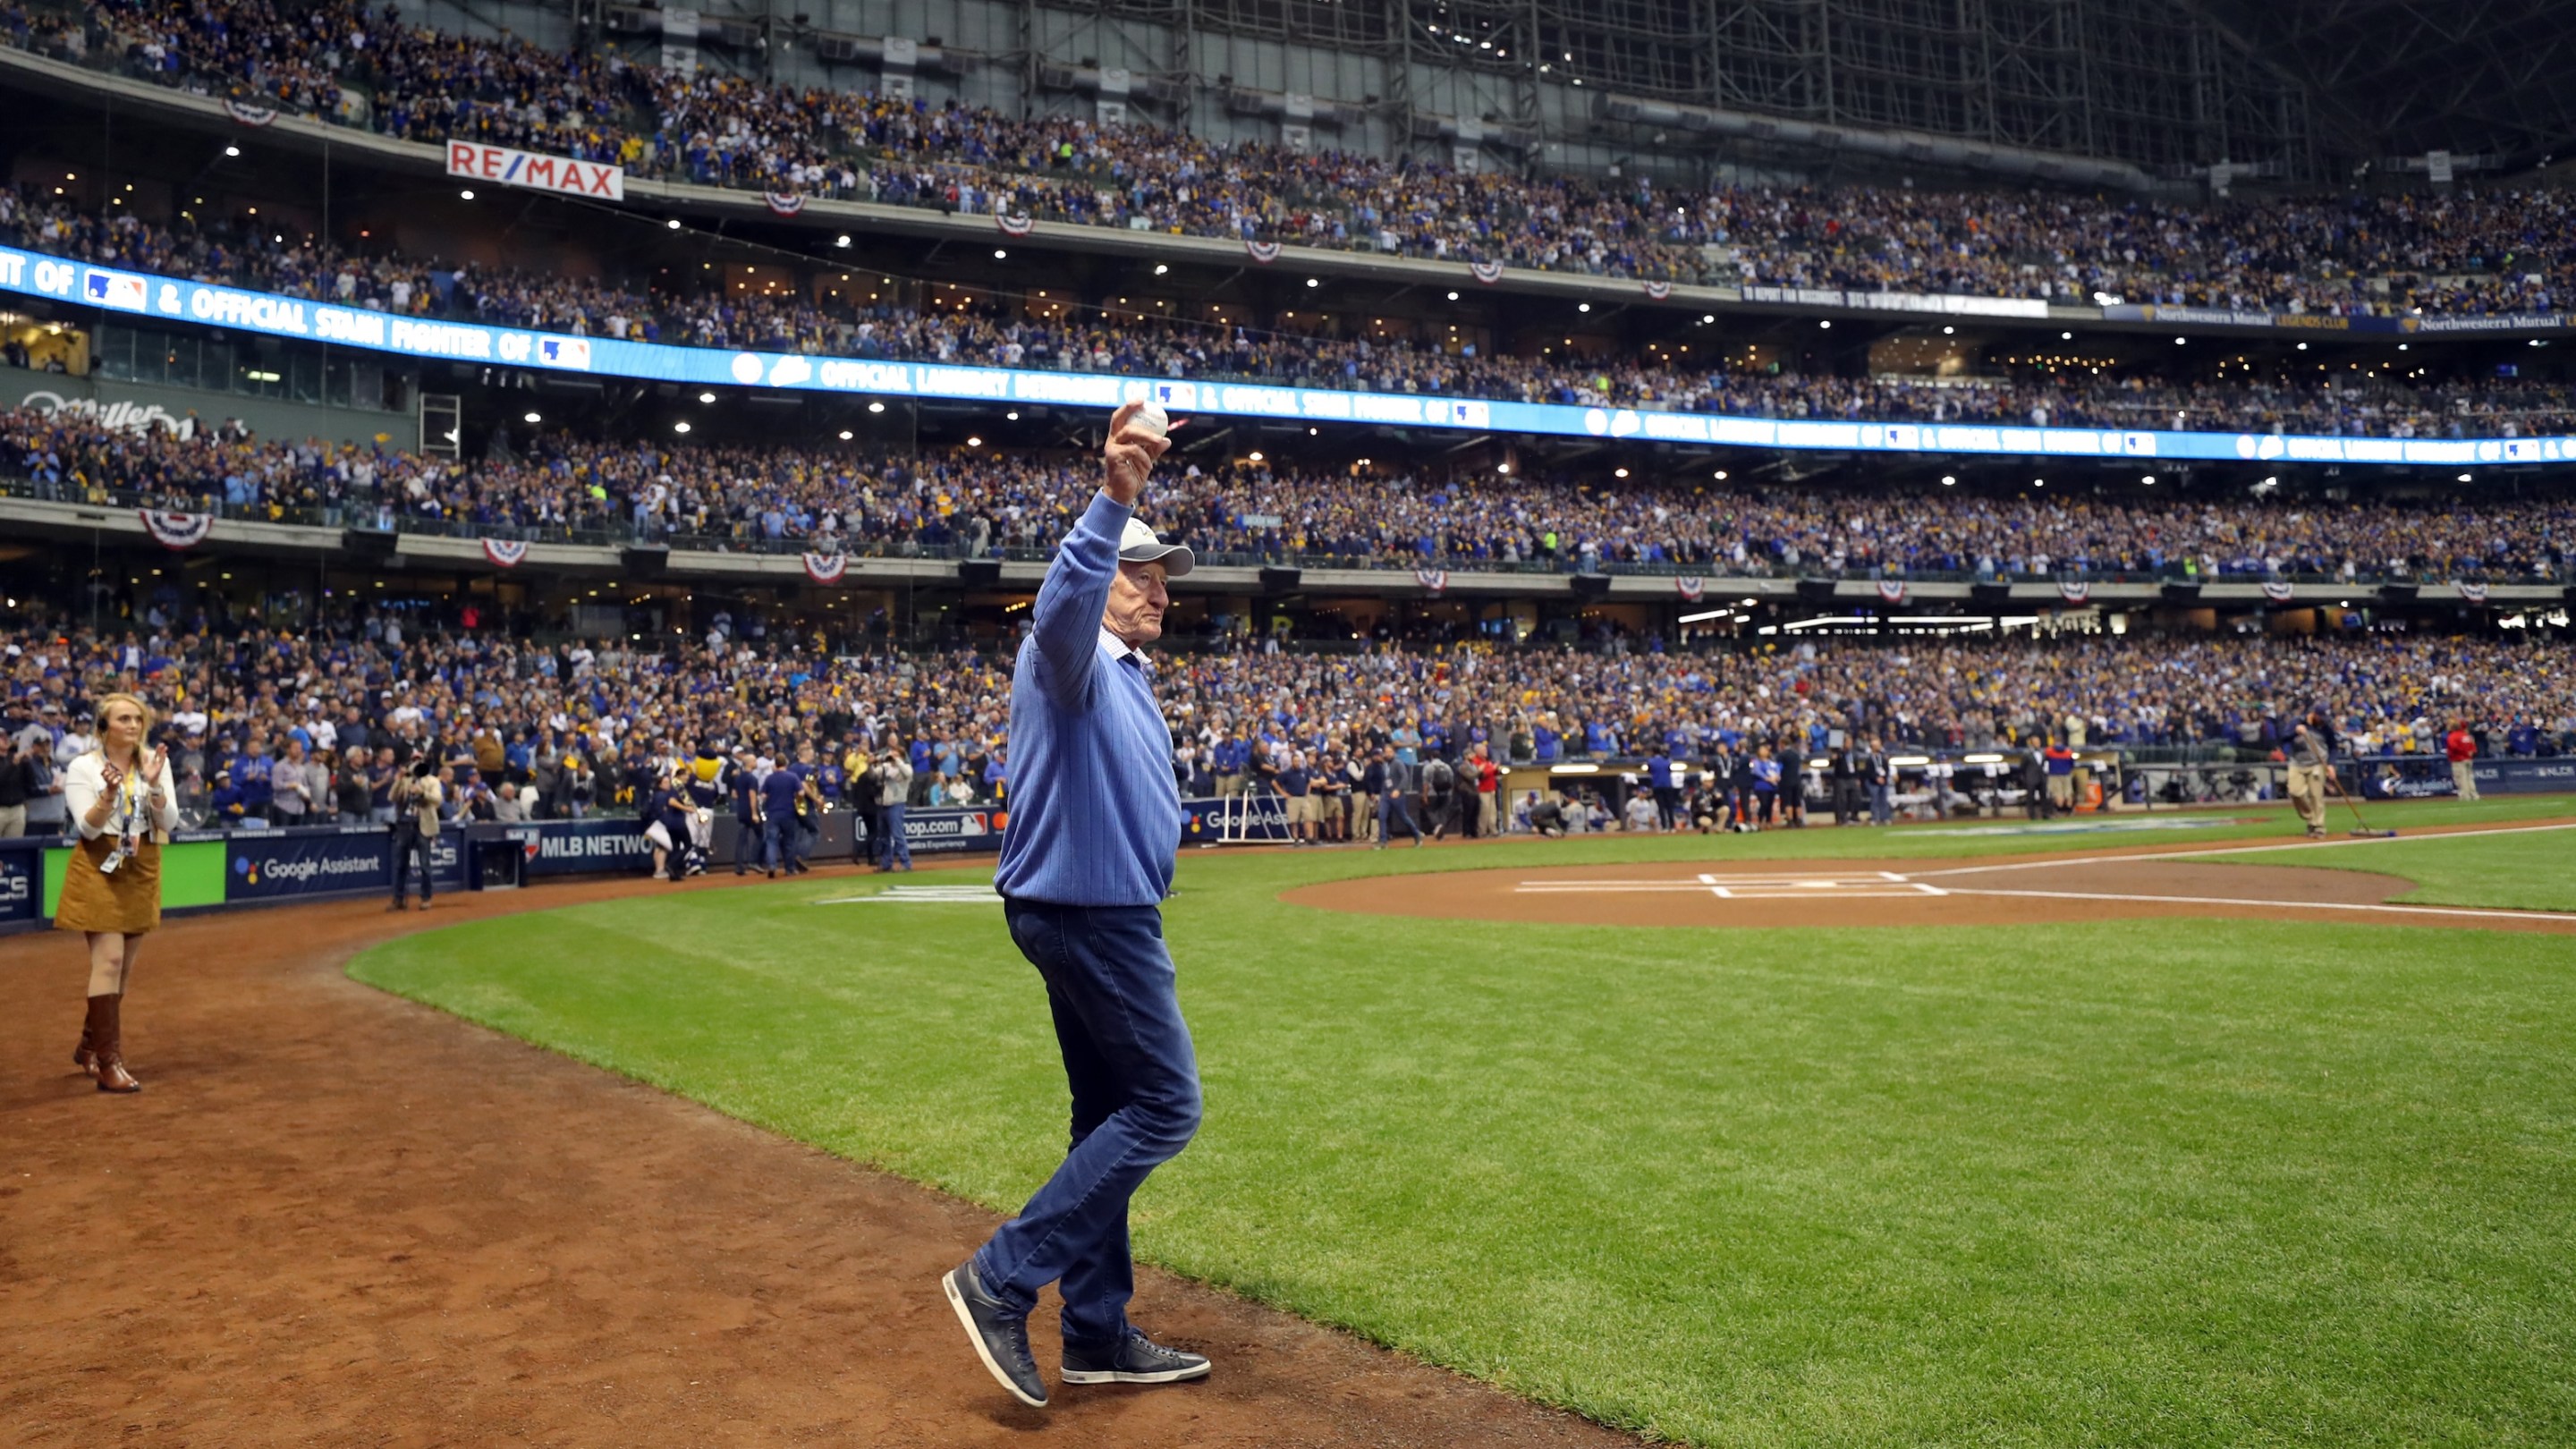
point(1087, 857)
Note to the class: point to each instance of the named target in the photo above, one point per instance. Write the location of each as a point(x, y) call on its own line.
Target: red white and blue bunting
point(826, 568)
point(1261, 251)
point(505, 553)
point(1690, 587)
point(1433, 579)
point(2277, 590)
point(2075, 591)
point(1892, 590)
point(785, 203)
point(1657, 291)
point(249, 115)
point(1486, 272)
point(1014, 226)
point(2474, 593)
point(176, 530)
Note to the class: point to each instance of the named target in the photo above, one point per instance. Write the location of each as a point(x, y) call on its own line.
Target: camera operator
point(417, 797)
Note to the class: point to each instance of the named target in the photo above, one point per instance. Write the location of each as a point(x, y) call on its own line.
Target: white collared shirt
point(1119, 648)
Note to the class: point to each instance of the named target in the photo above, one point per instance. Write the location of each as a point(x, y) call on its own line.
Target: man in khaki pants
point(2311, 772)
point(2461, 748)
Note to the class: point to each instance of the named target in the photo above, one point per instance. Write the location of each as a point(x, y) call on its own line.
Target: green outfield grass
point(2167, 1182)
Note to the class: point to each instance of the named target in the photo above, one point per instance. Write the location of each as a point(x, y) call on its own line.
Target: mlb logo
point(572, 352)
point(2138, 445)
point(1470, 414)
point(114, 289)
point(1171, 395)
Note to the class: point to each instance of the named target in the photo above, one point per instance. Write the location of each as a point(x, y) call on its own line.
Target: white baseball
point(1153, 419)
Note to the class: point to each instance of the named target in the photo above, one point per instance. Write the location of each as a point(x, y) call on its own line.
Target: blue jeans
point(1391, 808)
point(893, 846)
point(780, 846)
point(1135, 1081)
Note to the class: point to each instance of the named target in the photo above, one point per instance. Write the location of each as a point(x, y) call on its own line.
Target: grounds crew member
point(1086, 861)
point(2311, 772)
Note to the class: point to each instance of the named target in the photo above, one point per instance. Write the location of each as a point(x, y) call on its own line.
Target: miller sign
point(503, 166)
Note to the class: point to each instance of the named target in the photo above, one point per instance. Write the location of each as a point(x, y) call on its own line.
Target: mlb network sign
point(505, 167)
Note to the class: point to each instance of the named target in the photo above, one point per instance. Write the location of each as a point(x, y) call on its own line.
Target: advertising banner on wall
point(22, 879)
point(272, 864)
point(270, 315)
point(2424, 777)
point(503, 166)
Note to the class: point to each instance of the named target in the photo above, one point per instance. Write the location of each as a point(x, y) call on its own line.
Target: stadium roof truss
point(2402, 77)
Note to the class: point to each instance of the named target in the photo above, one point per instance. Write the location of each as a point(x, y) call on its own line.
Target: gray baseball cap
point(1139, 545)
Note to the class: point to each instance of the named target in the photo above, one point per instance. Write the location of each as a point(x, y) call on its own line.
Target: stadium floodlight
point(1010, 417)
point(1453, 296)
point(1949, 331)
point(2401, 347)
point(2147, 478)
point(974, 442)
point(1254, 455)
point(706, 397)
point(674, 223)
point(876, 407)
point(1825, 322)
point(2179, 341)
point(2303, 347)
point(999, 254)
point(1721, 475)
point(1160, 268)
point(1708, 317)
point(2066, 336)
point(532, 417)
point(1582, 306)
point(679, 427)
point(467, 193)
point(842, 240)
point(1949, 480)
point(1314, 281)
point(1619, 473)
point(845, 435)
point(2464, 477)
point(232, 150)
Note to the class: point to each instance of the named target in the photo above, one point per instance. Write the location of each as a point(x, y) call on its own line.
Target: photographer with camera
point(417, 797)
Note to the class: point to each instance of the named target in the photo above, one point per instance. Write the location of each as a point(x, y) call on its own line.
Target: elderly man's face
point(1137, 599)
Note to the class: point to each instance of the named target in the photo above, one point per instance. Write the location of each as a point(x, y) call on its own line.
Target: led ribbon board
point(169, 299)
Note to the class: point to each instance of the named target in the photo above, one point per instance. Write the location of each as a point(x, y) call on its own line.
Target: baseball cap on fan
point(1139, 545)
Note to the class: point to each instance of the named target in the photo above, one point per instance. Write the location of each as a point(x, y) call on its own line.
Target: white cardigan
point(86, 780)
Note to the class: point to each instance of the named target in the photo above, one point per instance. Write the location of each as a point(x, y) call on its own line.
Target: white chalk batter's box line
point(1856, 885)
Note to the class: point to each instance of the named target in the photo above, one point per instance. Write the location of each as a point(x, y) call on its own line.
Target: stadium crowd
point(981, 504)
point(316, 725)
point(2505, 251)
point(1055, 335)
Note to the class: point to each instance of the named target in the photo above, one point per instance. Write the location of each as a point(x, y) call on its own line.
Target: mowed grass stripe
point(2216, 1182)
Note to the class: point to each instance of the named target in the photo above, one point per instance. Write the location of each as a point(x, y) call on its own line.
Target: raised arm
point(1076, 590)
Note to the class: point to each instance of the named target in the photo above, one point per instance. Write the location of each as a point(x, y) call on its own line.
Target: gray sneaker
point(1001, 1337)
point(1135, 1360)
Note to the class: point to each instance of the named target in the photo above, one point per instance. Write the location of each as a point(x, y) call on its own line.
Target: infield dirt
point(337, 1218)
point(1993, 891)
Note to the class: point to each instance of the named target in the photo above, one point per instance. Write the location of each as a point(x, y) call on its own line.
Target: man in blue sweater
point(1086, 861)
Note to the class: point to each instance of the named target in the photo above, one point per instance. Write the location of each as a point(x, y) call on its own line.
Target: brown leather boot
point(85, 1056)
point(110, 1043)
